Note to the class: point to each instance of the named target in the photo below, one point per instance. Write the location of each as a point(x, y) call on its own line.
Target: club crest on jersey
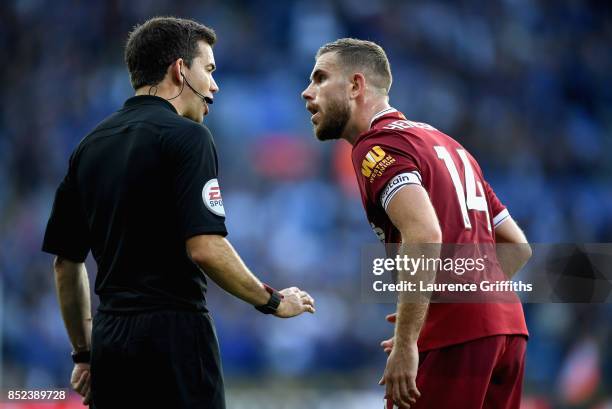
point(211, 195)
point(375, 163)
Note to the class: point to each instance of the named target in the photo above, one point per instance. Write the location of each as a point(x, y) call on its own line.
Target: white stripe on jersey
point(501, 217)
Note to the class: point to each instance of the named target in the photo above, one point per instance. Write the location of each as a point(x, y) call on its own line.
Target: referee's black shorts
point(160, 359)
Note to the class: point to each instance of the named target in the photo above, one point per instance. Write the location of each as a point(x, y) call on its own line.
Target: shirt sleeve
point(67, 233)
point(388, 163)
point(194, 169)
point(498, 210)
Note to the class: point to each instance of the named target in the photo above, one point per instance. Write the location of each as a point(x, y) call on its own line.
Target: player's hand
point(400, 375)
point(294, 302)
point(387, 345)
point(81, 381)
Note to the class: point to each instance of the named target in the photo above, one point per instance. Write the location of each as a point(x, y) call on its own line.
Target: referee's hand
point(81, 381)
point(294, 302)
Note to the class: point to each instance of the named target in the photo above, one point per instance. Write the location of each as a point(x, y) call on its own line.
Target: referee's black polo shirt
point(141, 183)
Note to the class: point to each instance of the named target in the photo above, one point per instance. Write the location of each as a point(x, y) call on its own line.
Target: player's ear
point(358, 85)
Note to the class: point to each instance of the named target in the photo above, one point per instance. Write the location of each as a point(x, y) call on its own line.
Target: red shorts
point(485, 373)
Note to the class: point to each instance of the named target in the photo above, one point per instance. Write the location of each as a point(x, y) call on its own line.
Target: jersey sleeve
point(499, 211)
point(387, 163)
point(67, 233)
point(194, 169)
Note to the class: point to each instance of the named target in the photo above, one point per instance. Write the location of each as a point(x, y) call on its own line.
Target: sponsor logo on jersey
point(375, 163)
point(211, 195)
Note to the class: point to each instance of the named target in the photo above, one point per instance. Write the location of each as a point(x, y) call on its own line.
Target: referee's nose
point(214, 88)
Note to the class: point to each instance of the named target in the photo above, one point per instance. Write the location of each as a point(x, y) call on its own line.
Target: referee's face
point(200, 78)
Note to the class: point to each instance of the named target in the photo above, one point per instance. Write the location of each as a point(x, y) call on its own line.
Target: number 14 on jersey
point(467, 197)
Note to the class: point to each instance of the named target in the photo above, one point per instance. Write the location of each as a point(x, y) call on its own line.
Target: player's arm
point(413, 215)
point(216, 256)
point(513, 250)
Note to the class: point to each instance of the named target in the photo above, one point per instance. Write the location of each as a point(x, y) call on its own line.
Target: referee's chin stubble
point(198, 112)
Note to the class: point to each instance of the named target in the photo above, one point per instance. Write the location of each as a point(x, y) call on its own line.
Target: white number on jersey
point(468, 198)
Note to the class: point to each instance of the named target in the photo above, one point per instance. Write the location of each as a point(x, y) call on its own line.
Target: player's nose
point(307, 94)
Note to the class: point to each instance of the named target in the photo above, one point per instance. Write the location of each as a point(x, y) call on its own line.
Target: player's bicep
point(509, 232)
point(412, 213)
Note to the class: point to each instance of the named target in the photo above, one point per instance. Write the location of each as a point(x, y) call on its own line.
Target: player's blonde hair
point(362, 55)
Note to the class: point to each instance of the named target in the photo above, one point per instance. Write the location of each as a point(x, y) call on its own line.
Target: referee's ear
point(174, 70)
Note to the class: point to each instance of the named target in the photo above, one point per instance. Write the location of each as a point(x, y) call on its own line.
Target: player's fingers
point(389, 390)
point(412, 388)
point(387, 343)
point(391, 318)
point(396, 393)
point(405, 398)
point(382, 380)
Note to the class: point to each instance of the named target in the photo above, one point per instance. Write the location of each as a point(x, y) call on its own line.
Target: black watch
point(81, 357)
point(273, 302)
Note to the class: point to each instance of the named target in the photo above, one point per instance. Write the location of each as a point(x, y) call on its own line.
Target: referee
point(141, 192)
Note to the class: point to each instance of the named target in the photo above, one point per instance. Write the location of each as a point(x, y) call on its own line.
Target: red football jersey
point(396, 152)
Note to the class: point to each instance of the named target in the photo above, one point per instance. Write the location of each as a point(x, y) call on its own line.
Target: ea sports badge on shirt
point(211, 195)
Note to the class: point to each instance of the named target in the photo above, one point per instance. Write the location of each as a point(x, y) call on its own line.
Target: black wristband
point(273, 302)
point(81, 357)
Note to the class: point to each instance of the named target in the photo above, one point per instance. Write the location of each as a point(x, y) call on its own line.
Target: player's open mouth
point(314, 118)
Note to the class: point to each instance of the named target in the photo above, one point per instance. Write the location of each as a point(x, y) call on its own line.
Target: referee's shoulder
point(181, 134)
point(184, 128)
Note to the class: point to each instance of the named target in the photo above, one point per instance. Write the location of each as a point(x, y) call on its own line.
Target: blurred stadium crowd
point(524, 84)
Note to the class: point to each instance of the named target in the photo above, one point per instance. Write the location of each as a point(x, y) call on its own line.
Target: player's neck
point(363, 120)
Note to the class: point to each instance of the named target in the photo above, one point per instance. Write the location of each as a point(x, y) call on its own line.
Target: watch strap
point(272, 305)
point(81, 357)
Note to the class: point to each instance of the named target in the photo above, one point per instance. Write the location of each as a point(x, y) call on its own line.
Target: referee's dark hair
point(154, 45)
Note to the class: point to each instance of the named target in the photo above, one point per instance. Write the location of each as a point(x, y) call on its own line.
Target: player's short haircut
point(154, 45)
point(362, 55)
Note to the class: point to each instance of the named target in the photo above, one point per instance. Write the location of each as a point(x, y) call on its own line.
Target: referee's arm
point(72, 286)
point(215, 255)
